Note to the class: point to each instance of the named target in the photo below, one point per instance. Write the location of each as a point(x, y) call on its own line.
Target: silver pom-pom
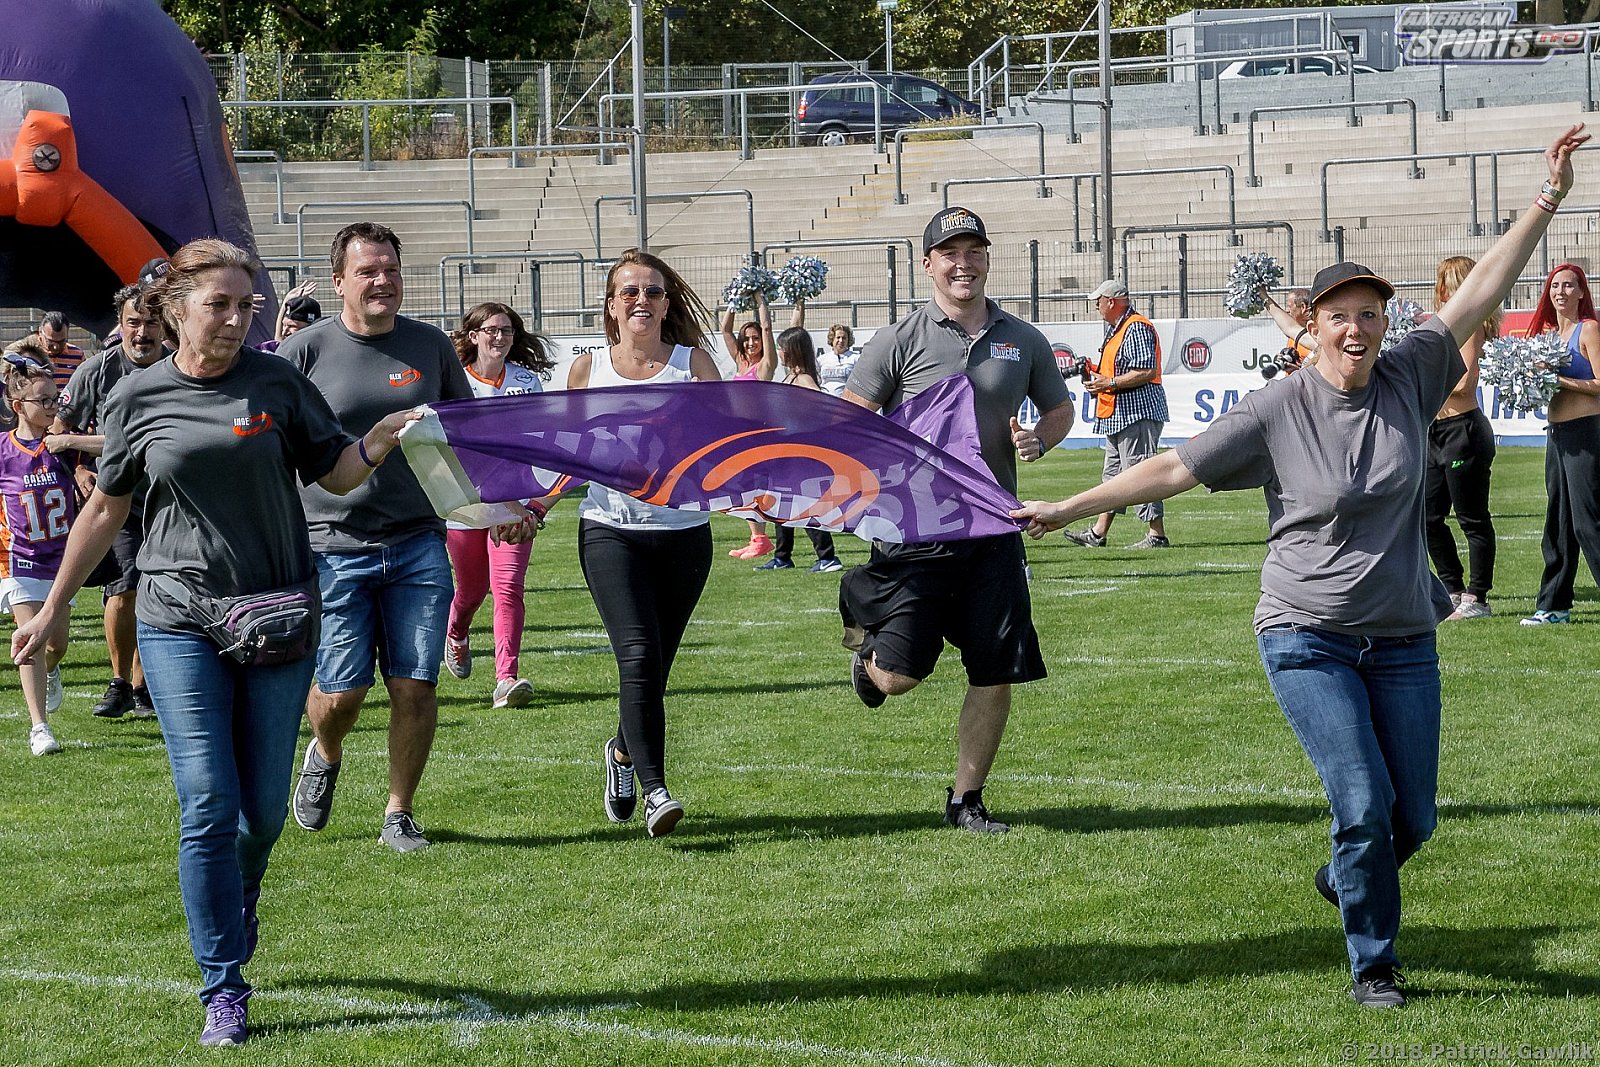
point(1523, 370)
point(740, 294)
point(1251, 273)
point(1403, 318)
point(802, 278)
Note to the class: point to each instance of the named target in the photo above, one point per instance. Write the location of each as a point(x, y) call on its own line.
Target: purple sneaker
point(225, 1024)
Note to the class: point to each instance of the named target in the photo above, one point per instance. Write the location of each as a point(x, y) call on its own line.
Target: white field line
point(470, 1016)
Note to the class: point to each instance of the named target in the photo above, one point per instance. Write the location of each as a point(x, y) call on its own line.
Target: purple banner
point(754, 449)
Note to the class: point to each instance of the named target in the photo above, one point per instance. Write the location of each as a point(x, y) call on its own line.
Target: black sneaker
point(861, 681)
point(968, 813)
point(143, 707)
point(1379, 989)
point(313, 791)
point(117, 702)
point(621, 795)
point(1325, 886)
point(661, 813)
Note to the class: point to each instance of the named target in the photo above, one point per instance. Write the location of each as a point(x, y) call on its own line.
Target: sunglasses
point(634, 292)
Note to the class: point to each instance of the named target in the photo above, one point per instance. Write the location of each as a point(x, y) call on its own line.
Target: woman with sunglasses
point(502, 358)
point(755, 358)
point(645, 565)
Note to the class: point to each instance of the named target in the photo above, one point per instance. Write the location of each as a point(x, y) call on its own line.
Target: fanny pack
point(258, 630)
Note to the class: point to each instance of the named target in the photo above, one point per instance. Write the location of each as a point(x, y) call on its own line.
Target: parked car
point(833, 116)
point(1275, 65)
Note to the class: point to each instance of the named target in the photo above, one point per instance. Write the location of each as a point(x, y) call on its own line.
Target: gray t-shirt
point(222, 514)
point(365, 379)
point(1342, 472)
point(83, 400)
point(1007, 361)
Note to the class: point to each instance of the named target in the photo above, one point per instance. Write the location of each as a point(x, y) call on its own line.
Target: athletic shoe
point(968, 813)
point(225, 1019)
point(1469, 607)
point(313, 791)
point(825, 566)
point(117, 702)
point(1325, 885)
point(512, 693)
point(401, 832)
point(862, 683)
point(458, 658)
point(776, 563)
point(621, 794)
point(1379, 989)
point(760, 545)
point(1087, 538)
point(143, 707)
point(1151, 541)
point(661, 813)
point(1455, 599)
point(1538, 618)
point(53, 693)
point(42, 741)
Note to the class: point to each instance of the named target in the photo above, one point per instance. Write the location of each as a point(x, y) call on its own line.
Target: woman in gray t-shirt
point(1348, 607)
point(221, 433)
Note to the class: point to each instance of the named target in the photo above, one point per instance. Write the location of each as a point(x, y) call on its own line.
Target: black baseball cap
point(1341, 274)
point(950, 223)
point(302, 309)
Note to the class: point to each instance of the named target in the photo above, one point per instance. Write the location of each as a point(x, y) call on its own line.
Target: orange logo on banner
point(850, 477)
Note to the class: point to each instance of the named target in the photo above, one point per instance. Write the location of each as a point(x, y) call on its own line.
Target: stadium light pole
point(1108, 227)
point(887, 7)
point(642, 236)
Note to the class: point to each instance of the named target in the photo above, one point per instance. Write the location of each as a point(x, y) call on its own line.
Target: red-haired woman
point(1572, 453)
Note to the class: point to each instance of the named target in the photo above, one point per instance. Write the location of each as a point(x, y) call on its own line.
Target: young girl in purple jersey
point(36, 509)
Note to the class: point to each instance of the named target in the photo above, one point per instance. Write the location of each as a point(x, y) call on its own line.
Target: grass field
point(1152, 904)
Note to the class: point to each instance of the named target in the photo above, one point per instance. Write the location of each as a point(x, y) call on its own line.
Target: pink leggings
point(481, 565)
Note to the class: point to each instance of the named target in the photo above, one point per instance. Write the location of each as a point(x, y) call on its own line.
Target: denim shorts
point(394, 601)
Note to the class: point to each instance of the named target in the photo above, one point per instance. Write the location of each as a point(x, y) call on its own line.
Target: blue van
point(833, 116)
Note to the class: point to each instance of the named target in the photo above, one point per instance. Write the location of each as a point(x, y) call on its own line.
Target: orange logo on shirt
point(250, 425)
point(405, 377)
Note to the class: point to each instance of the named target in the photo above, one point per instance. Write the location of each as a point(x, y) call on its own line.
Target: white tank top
point(611, 508)
point(515, 380)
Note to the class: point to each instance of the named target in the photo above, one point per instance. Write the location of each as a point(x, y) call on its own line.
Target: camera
point(1285, 361)
point(1072, 364)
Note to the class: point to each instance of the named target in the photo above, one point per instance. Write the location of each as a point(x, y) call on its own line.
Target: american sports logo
point(250, 425)
point(1009, 352)
point(405, 377)
point(1438, 33)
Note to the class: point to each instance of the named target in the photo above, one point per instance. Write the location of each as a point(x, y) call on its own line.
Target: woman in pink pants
point(502, 358)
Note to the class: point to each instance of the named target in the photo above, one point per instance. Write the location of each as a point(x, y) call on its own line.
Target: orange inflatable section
point(41, 185)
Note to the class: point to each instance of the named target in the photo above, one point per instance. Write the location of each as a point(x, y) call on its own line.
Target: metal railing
point(676, 197)
point(366, 107)
point(277, 175)
point(891, 244)
point(1181, 232)
point(879, 92)
point(326, 205)
point(901, 136)
point(465, 262)
point(1254, 180)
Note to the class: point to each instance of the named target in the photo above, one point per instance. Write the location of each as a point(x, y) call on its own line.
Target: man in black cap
point(299, 311)
point(901, 607)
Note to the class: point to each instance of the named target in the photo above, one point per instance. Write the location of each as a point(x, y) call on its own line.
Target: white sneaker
point(52, 691)
point(458, 658)
point(512, 693)
point(42, 741)
point(1469, 607)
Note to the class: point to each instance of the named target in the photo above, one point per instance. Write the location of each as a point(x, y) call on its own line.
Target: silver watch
point(1552, 192)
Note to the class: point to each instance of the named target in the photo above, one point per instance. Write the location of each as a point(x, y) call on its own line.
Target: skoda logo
point(47, 157)
point(1196, 354)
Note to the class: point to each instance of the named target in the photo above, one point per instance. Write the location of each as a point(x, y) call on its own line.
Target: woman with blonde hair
point(1460, 453)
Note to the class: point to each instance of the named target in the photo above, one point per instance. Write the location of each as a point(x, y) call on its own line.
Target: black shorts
point(122, 566)
point(911, 599)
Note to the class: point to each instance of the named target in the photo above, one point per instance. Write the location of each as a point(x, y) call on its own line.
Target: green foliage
point(1153, 904)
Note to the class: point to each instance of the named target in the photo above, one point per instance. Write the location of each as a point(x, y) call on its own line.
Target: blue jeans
point(395, 599)
point(1366, 710)
point(230, 733)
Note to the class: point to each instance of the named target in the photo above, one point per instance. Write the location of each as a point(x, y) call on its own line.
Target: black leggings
point(1572, 518)
point(821, 540)
point(645, 584)
point(1460, 453)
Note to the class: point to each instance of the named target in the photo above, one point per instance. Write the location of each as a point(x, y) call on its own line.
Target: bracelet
point(1552, 192)
point(361, 449)
point(538, 509)
point(1544, 203)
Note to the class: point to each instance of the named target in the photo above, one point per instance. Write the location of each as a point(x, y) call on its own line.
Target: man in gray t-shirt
point(901, 607)
point(380, 550)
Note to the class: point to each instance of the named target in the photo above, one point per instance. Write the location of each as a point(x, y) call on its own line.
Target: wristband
point(1544, 203)
point(538, 509)
point(1557, 195)
point(361, 449)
